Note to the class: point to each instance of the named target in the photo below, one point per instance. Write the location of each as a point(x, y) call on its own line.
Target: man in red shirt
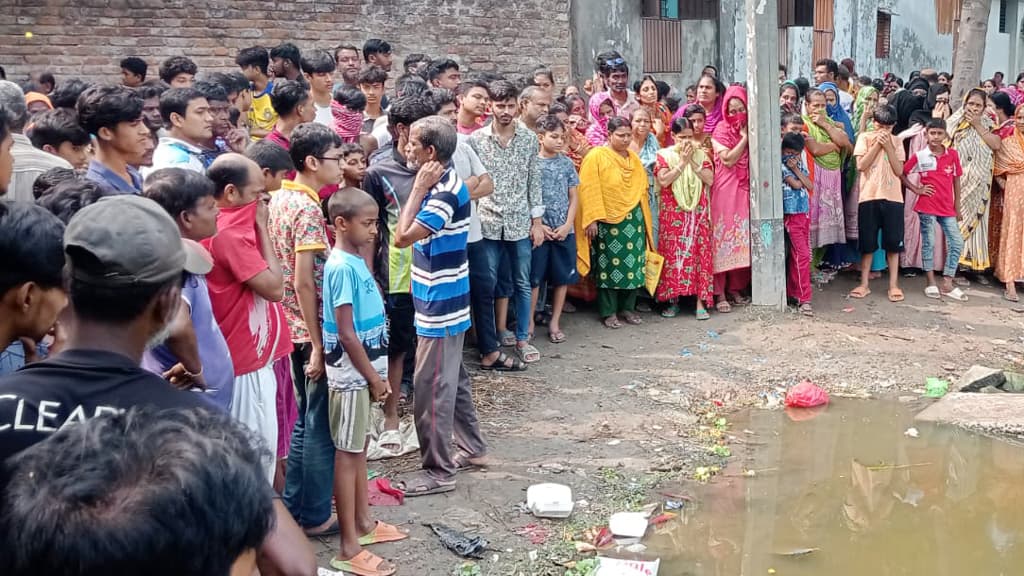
point(937, 185)
point(246, 286)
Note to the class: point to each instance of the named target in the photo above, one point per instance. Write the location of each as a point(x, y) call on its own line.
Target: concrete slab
point(978, 377)
point(997, 413)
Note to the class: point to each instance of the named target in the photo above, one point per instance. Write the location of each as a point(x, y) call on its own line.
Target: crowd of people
point(296, 241)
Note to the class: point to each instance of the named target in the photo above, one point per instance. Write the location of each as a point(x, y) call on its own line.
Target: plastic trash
point(628, 524)
point(935, 387)
point(380, 492)
point(462, 544)
point(912, 433)
point(806, 395)
point(619, 567)
point(549, 500)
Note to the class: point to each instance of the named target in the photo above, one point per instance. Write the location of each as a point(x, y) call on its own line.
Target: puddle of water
point(850, 484)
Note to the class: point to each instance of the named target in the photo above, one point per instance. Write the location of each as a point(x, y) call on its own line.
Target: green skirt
point(620, 252)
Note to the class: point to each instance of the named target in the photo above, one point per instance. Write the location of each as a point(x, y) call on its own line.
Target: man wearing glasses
point(296, 227)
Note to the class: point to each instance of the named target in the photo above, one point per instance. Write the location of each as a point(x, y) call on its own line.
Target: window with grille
point(1002, 16)
point(796, 13)
point(883, 39)
point(681, 9)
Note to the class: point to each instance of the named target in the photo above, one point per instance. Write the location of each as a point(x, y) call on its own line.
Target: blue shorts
point(554, 262)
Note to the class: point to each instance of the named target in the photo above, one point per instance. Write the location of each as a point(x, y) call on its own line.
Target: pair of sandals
point(954, 294)
point(895, 294)
point(724, 307)
point(367, 563)
point(631, 318)
point(673, 310)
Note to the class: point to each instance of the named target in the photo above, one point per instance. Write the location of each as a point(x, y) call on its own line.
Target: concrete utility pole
point(767, 235)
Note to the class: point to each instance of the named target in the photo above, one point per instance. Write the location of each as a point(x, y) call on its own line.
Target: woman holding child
point(684, 175)
point(613, 226)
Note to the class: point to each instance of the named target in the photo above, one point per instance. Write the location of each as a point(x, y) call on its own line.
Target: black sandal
point(501, 364)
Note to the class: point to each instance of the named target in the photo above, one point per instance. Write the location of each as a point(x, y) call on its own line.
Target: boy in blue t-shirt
point(554, 261)
point(356, 358)
point(796, 185)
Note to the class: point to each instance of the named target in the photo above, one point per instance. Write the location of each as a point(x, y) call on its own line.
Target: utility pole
point(767, 234)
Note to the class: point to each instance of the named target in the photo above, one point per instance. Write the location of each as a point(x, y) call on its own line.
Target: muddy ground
point(622, 415)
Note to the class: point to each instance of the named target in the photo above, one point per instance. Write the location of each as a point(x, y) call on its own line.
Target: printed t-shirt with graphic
point(347, 281)
point(557, 175)
point(794, 200)
point(440, 270)
point(939, 172)
point(253, 327)
point(74, 386)
point(879, 182)
point(296, 225)
point(261, 113)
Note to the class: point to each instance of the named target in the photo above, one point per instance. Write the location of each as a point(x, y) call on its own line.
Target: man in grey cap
point(125, 265)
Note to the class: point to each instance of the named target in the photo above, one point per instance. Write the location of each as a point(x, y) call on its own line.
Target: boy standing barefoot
point(356, 359)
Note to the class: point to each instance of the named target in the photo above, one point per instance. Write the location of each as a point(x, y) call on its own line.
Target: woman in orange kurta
point(1009, 167)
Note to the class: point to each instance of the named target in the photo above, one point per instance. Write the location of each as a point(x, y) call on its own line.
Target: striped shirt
point(440, 270)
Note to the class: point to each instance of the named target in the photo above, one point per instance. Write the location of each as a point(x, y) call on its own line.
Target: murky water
point(867, 499)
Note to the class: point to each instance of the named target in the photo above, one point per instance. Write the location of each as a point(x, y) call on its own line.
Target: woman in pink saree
point(730, 201)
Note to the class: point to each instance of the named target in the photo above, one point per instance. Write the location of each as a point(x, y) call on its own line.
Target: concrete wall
point(87, 38)
point(800, 40)
point(600, 25)
point(700, 48)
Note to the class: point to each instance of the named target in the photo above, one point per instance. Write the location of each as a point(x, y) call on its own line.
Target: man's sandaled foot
point(504, 363)
point(365, 563)
point(423, 484)
point(860, 292)
point(328, 528)
point(464, 462)
point(390, 441)
point(383, 532)
point(1011, 297)
point(632, 318)
point(528, 353)
point(612, 322)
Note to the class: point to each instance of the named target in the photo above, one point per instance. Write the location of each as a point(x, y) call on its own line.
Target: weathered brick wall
point(87, 38)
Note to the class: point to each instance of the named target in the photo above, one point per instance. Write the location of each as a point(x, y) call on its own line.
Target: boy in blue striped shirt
point(435, 222)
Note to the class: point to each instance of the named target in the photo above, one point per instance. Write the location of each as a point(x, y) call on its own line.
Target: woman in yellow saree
point(613, 225)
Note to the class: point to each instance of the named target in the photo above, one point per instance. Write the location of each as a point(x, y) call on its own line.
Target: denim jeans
point(484, 259)
point(309, 476)
point(954, 242)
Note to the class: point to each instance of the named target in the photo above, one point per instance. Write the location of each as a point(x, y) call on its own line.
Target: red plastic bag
point(806, 395)
point(380, 493)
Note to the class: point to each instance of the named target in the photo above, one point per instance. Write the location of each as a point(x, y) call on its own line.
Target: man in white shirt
point(318, 66)
point(189, 121)
point(29, 161)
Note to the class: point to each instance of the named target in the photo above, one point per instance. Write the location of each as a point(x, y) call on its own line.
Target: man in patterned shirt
point(510, 219)
point(296, 226)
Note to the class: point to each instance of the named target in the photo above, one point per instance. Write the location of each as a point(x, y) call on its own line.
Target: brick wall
point(87, 38)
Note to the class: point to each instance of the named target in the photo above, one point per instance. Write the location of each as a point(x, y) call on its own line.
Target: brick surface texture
point(87, 38)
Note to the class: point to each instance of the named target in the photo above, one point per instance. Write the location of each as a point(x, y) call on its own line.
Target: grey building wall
point(599, 25)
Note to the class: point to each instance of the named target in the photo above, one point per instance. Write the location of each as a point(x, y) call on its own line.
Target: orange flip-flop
point(381, 533)
point(859, 295)
point(365, 563)
point(896, 295)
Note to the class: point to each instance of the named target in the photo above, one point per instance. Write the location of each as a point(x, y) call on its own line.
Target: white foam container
point(549, 500)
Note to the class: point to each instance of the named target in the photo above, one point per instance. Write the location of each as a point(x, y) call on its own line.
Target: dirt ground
point(619, 415)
